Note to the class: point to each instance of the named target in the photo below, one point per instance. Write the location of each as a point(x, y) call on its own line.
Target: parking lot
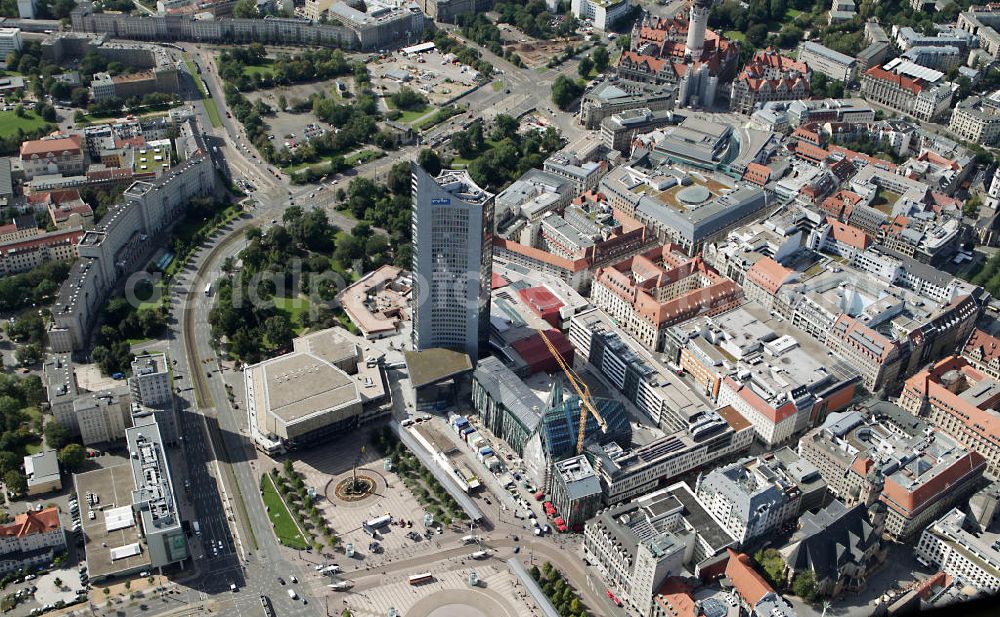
point(55, 587)
point(440, 78)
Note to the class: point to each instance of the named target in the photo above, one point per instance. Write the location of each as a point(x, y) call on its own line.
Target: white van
point(292, 594)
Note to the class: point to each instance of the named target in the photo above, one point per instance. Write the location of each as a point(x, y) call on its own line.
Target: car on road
point(293, 579)
point(232, 587)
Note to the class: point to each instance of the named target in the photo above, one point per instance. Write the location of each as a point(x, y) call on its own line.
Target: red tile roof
point(754, 400)
point(49, 239)
point(861, 159)
point(675, 598)
point(745, 579)
point(840, 204)
point(806, 135)
point(848, 234)
point(769, 274)
point(809, 152)
point(654, 64)
point(909, 502)
point(497, 281)
point(880, 74)
point(757, 173)
point(30, 523)
point(540, 255)
point(770, 58)
point(57, 145)
point(984, 347)
point(636, 279)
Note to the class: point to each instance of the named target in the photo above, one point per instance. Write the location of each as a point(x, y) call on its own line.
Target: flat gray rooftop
point(301, 384)
point(433, 365)
point(327, 345)
point(113, 487)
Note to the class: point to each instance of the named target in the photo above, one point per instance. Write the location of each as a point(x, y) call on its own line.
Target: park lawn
point(363, 157)
point(154, 300)
point(284, 525)
point(736, 35)
point(264, 69)
point(885, 200)
point(10, 122)
point(791, 13)
point(293, 309)
point(411, 115)
point(210, 107)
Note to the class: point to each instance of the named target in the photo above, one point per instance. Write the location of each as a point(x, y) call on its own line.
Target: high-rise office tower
point(452, 261)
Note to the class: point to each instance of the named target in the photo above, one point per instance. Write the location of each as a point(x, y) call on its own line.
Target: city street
point(237, 544)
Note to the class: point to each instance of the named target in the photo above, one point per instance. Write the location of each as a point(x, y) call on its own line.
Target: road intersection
point(237, 544)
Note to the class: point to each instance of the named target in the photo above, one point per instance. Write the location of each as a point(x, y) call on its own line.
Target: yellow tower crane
point(582, 391)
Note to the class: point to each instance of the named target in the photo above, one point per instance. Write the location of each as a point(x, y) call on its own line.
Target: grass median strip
point(210, 107)
point(281, 519)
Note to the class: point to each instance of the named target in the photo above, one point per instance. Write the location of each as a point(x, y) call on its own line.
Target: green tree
point(804, 585)
point(504, 127)
point(72, 455)
point(16, 482)
point(601, 58)
point(565, 91)
point(586, 65)
point(8, 461)
point(408, 98)
point(29, 354)
point(399, 178)
point(56, 435)
point(246, 9)
point(773, 564)
point(757, 34)
point(971, 206)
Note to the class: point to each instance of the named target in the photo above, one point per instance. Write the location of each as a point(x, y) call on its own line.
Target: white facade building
point(150, 383)
point(101, 417)
point(31, 540)
point(604, 13)
point(10, 40)
point(959, 553)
